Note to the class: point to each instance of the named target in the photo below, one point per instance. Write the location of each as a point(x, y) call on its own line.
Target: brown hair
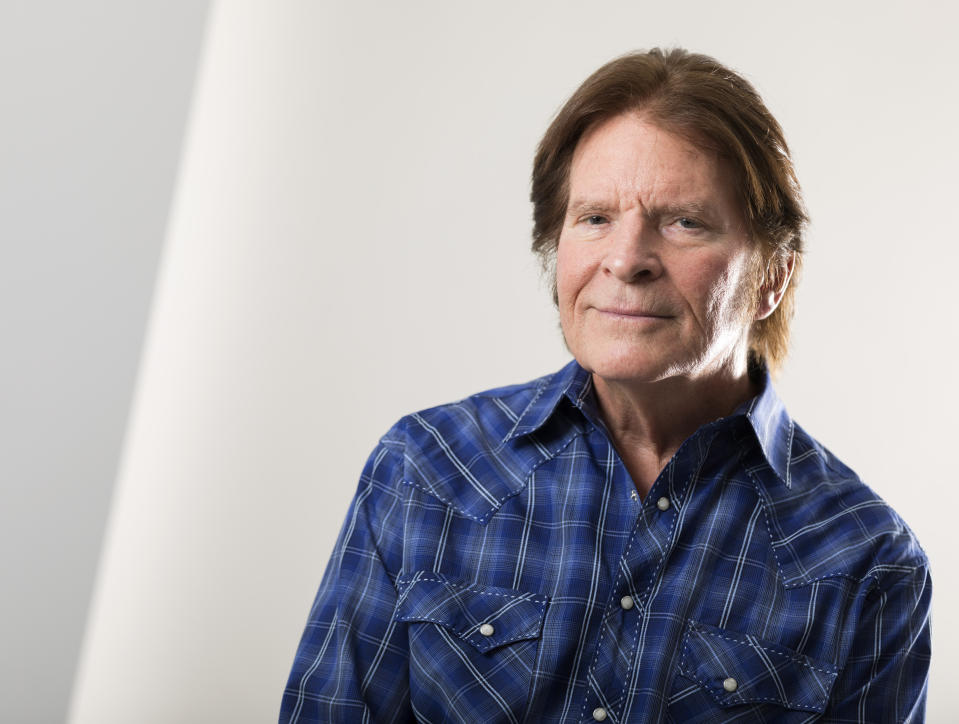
point(698, 98)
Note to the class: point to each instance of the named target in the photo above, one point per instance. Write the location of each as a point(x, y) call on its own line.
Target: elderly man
point(645, 535)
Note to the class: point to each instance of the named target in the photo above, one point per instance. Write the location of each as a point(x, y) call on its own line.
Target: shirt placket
point(613, 680)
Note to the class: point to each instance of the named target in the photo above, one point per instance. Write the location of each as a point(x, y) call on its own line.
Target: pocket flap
point(737, 668)
point(483, 616)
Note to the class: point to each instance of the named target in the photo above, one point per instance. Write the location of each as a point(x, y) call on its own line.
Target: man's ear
point(774, 286)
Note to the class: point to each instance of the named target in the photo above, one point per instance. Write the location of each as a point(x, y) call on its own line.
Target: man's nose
point(633, 252)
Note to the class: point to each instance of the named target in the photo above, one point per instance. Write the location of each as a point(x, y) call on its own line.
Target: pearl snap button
point(486, 629)
point(626, 602)
point(730, 685)
point(599, 714)
point(663, 504)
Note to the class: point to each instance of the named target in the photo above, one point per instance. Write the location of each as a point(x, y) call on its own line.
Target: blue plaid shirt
point(497, 565)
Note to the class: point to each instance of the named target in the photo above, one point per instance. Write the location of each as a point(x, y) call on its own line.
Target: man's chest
point(595, 602)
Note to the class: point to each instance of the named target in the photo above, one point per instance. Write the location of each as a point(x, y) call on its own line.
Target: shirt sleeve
point(352, 661)
point(885, 677)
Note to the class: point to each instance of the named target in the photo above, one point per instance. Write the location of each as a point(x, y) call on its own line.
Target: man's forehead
point(629, 156)
point(694, 143)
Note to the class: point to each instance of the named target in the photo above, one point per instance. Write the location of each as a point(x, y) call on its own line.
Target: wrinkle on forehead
point(650, 167)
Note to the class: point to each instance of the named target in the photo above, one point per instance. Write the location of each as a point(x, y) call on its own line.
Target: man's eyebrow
point(578, 206)
point(677, 209)
point(696, 207)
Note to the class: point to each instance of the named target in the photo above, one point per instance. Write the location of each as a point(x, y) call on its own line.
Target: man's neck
point(649, 421)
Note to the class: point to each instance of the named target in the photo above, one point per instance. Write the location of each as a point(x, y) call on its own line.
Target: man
point(645, 535)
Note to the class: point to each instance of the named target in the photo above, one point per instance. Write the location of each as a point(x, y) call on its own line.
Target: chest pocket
point(472, 648)
point(728, 675)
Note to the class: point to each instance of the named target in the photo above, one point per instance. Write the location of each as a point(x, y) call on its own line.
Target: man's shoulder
point(483, 418)
point(828, 522)
point(463, 453)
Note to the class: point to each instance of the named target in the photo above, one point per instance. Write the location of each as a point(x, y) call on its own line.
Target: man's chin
point(628, 370)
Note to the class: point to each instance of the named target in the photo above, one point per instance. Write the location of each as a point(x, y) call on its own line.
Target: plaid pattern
point(496, 565)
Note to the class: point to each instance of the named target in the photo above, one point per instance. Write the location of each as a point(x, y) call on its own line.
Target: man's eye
point(688, 223)
point(595, 220)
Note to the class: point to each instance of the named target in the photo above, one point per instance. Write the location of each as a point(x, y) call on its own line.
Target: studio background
point(241, 239)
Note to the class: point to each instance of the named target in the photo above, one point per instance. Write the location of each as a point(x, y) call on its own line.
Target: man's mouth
point(627, 312)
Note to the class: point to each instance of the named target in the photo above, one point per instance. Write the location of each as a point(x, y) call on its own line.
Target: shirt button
point(663, 504)
point(730, 685)
point(626, 602)
point(599, 714)
point(486, 629)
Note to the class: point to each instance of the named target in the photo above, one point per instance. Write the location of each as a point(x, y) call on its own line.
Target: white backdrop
point(349, 243)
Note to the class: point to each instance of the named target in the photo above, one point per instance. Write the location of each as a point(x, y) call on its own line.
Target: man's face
point(655, 268)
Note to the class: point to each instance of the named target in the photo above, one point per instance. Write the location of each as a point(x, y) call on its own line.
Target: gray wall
point(93, 103)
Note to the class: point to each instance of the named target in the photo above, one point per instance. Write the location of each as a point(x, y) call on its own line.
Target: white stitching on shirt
point(471, 639)
point(738, 698)
point(797, 659)
point(403, 580)
point(765, 503)
point(775, 544)
point(789, 453)
point(539, 392)
point(482, 519)
point(643, 599)
point(449, 503)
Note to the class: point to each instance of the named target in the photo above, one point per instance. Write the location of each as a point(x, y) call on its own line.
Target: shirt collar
point(765, 413)
point(772, 425)
point(572, 382)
